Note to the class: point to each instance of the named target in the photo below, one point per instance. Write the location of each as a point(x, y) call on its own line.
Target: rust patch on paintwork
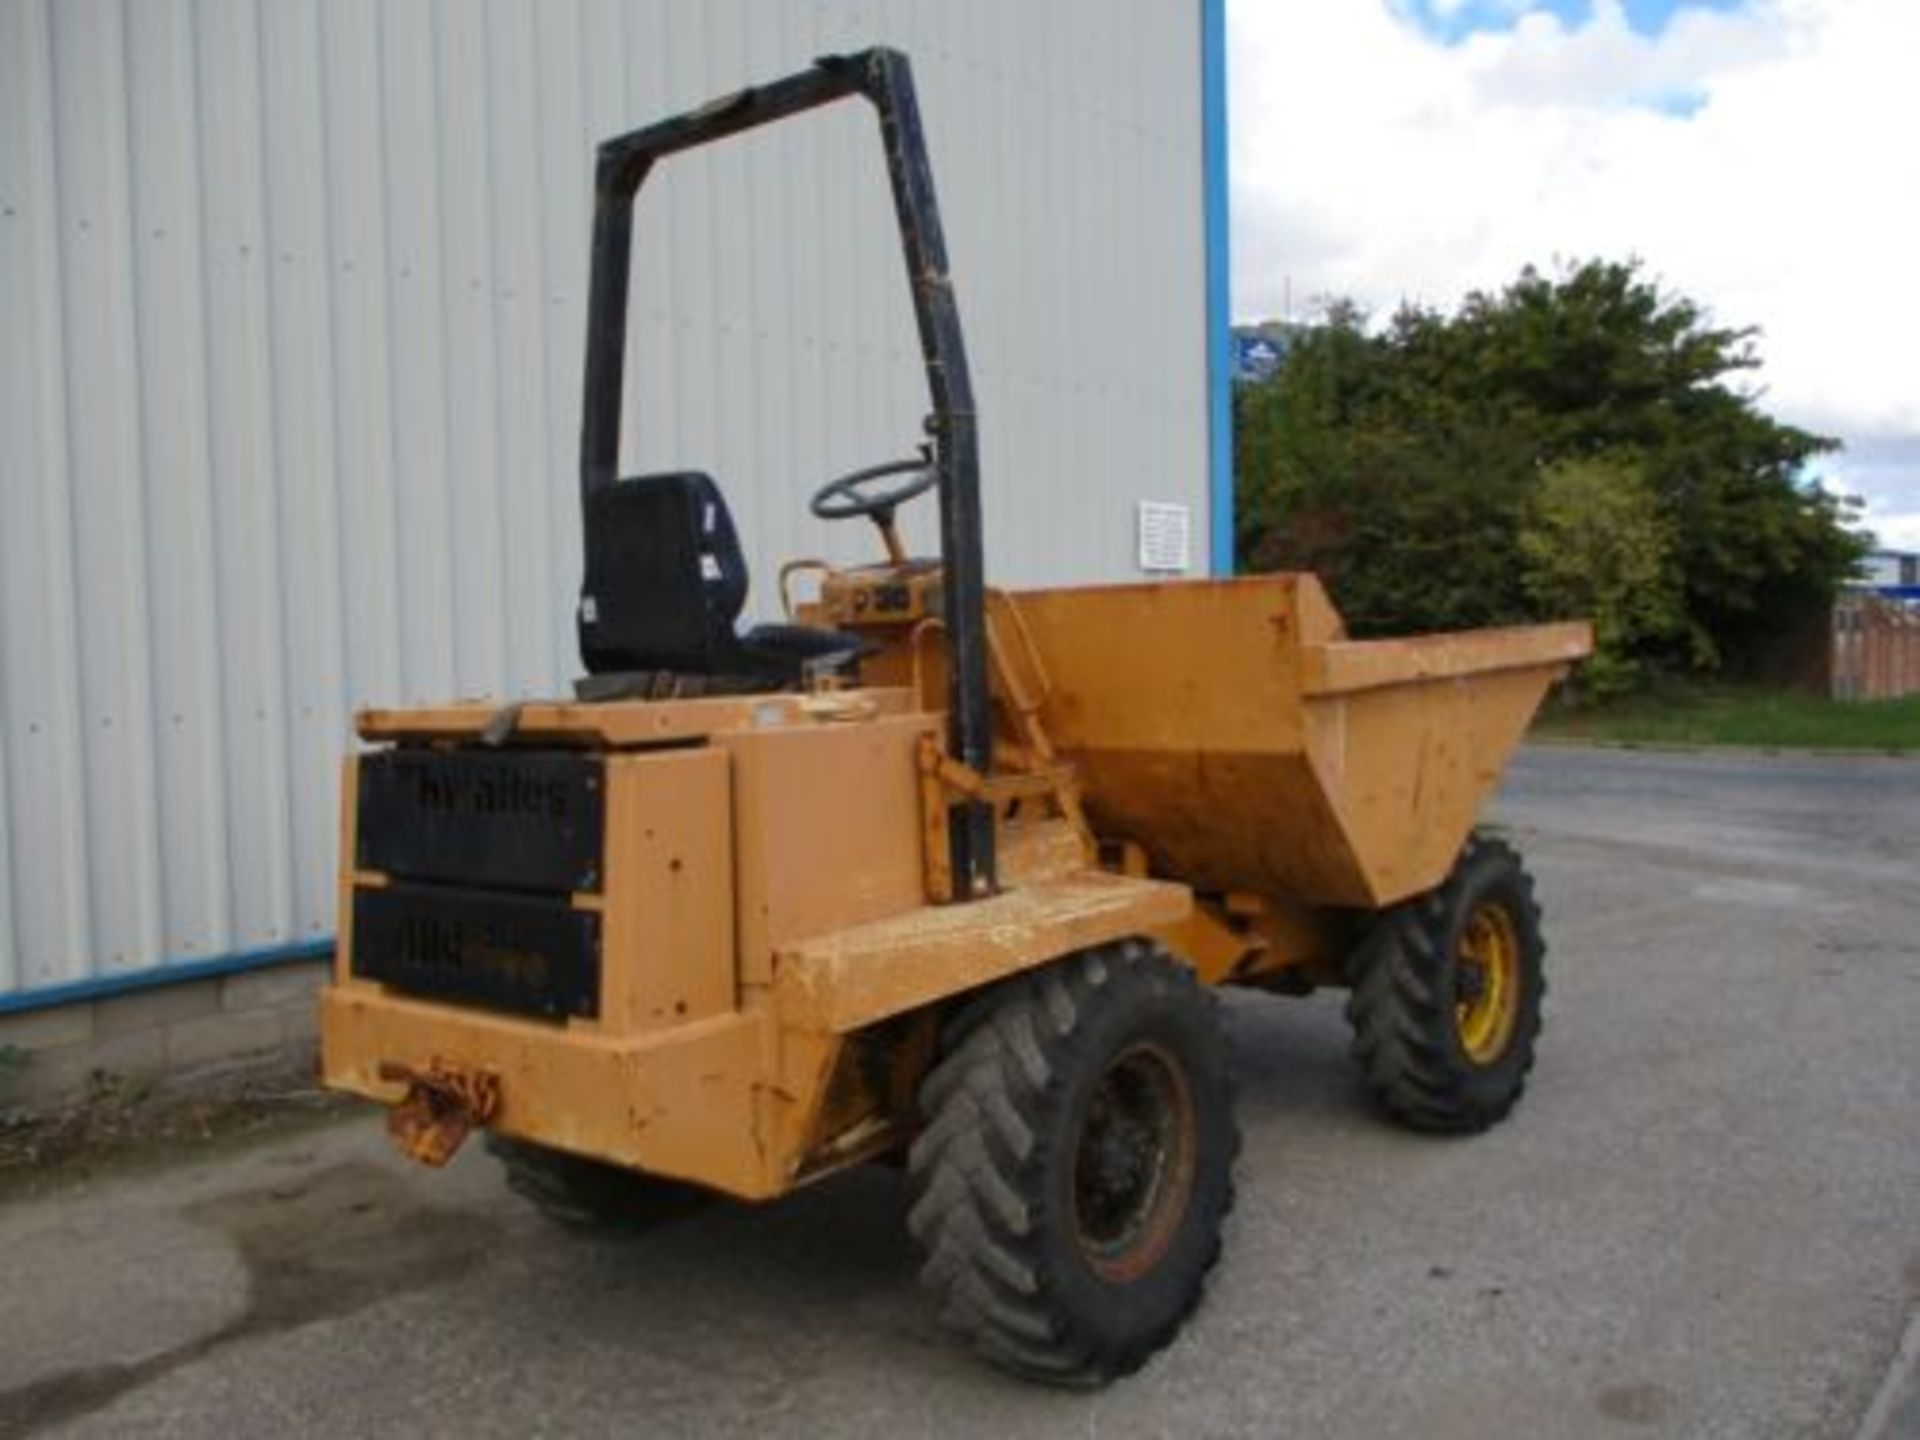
point(442, 1107)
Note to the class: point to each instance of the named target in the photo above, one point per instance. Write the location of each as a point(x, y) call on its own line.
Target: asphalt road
point(1703, 1221)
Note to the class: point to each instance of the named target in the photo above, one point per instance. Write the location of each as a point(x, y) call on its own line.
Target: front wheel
point(1076, 1164)
point(1446, 996)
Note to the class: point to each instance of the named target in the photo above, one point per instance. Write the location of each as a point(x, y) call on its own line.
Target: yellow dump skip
point(1234, 732)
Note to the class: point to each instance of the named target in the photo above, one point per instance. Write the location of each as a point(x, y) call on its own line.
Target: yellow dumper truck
point(932, 871)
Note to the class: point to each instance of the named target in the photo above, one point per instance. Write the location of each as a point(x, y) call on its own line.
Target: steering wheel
point(849, 497)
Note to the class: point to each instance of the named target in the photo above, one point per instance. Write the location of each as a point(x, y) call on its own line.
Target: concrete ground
point(1703, 1221)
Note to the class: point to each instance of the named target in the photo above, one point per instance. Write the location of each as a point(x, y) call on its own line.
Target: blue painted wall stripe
point(1213, 100)
point(176, 972)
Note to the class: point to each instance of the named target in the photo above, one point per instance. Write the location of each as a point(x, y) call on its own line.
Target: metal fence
point(1876, 648)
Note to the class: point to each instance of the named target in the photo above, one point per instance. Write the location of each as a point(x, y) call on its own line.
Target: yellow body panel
point(684, 1102)
point(849, 979)
point(668, 890)
point(619, 723)
point(826, 827)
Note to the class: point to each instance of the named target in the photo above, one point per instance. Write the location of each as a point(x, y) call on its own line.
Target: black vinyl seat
point(665, 583)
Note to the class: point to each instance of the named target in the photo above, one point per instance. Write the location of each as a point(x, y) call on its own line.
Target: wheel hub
point(1487, 982)
point(1133, 1166)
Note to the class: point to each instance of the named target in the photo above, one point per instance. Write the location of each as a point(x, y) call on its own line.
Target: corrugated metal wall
point(291, 306)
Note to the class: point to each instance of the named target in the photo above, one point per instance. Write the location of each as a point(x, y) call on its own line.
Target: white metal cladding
point(291, 312)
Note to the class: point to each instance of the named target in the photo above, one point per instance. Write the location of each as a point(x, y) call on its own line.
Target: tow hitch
point(442, 1107)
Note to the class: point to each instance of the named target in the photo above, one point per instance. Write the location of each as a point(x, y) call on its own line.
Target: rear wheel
point(1446, 996)
point(1076, 1164)
point(584, 1194)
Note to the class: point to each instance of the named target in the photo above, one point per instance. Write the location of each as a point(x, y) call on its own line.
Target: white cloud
point(1764, 161)
point(1883, 473)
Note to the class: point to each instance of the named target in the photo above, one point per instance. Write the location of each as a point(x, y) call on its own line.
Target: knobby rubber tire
point(1406, 1038)
point(583, 1194)
point(993, 1173)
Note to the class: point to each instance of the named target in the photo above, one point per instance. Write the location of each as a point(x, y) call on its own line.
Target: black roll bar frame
point(885, 78)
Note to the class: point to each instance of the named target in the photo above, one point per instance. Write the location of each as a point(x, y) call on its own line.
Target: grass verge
point(1727, 715)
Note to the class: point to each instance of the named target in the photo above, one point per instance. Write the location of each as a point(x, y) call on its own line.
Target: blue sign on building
point(1257, 354)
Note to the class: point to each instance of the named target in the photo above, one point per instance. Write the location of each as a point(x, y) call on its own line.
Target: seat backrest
point(665, 579)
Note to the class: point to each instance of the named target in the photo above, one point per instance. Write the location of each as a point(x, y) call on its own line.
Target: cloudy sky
point(1761, 156)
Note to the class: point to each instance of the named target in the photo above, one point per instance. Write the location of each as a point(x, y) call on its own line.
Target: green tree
point(1402, 462)
point(1595, 543)
point(1385, 486)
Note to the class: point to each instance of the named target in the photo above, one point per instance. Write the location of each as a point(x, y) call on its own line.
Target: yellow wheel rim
point(1487, 992)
